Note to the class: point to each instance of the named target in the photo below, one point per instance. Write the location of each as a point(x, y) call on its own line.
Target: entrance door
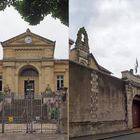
point(29, 86)
point(136, 113)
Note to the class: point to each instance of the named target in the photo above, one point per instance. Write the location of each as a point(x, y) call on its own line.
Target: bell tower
point(80, 53)
point(82, 47)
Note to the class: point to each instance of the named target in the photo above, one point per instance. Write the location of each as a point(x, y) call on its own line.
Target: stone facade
point(100, 103)
point(32, 52)
point(132, 88)
point(29, 58)
point(97, 102)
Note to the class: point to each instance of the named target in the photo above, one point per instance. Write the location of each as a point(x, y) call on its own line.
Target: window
point(0, 83)
point(82, 37)
point(60, 82)
point(29, 72)
point(29, 86)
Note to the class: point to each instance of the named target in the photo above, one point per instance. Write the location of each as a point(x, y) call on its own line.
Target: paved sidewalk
point(105, 136)
point(111, 135)
point(21, 136)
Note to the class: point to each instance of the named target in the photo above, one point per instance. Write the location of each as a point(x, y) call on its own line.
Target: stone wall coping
point(128, 76)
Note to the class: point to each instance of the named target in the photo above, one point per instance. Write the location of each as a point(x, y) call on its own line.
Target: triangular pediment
point(28, 38)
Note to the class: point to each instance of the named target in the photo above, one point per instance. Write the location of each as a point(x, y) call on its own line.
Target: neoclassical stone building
point(29, 56)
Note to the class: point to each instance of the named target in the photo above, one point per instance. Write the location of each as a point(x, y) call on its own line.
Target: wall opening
point(136, 111)
point(30, 74)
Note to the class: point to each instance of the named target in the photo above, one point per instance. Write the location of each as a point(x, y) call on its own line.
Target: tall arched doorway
point(28, 74)
point(136, 112)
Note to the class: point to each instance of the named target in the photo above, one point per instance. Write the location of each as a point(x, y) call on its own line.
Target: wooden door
point(136, 113)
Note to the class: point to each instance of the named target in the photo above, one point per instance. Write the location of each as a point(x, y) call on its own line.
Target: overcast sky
point(11, 24)
point(113, 28)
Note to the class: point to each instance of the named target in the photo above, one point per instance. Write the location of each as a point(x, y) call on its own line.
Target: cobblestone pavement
point(20, 136)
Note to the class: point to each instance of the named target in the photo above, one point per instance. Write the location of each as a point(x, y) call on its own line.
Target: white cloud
point(11, 24)
point(113, 29)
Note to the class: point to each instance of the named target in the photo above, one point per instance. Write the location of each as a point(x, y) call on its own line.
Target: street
point(135, 136)
point(132, 136)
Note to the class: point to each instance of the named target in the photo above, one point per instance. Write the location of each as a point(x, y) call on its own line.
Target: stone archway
point(25, 74)
point(132, 89)
point(136, 112)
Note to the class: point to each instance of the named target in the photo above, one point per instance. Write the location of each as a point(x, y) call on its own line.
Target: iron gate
point(30, 113)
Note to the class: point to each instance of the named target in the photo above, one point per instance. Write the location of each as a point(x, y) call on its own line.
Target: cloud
point(113, 30)
point(11, 24)
point(79, 11)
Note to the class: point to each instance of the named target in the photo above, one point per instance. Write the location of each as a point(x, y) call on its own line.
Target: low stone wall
point(37, 127)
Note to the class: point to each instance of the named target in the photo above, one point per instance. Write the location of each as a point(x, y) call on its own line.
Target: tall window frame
point(59, 82)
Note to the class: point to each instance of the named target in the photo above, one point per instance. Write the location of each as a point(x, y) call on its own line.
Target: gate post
point(27, 113)
point(63, 112)
point(31, 109)
point(41, 111)
point(29, 96)
point(3, 114)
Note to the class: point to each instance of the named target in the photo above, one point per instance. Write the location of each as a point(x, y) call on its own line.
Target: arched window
point(29, 72)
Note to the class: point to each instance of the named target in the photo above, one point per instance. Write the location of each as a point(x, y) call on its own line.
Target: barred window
point(60, 82)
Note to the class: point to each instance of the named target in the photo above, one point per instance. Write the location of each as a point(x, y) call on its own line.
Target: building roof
point(101, 68)
point(27, 33)
point(104, 69)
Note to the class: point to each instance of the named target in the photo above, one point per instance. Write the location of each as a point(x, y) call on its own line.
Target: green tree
point(34, 11)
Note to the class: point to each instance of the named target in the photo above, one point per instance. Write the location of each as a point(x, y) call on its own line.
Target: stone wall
point(132, 87)
point(97, 102)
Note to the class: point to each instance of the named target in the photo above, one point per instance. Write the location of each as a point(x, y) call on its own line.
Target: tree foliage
point(34, 11)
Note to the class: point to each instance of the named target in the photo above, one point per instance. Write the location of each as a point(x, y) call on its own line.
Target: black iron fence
point(38, 113)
